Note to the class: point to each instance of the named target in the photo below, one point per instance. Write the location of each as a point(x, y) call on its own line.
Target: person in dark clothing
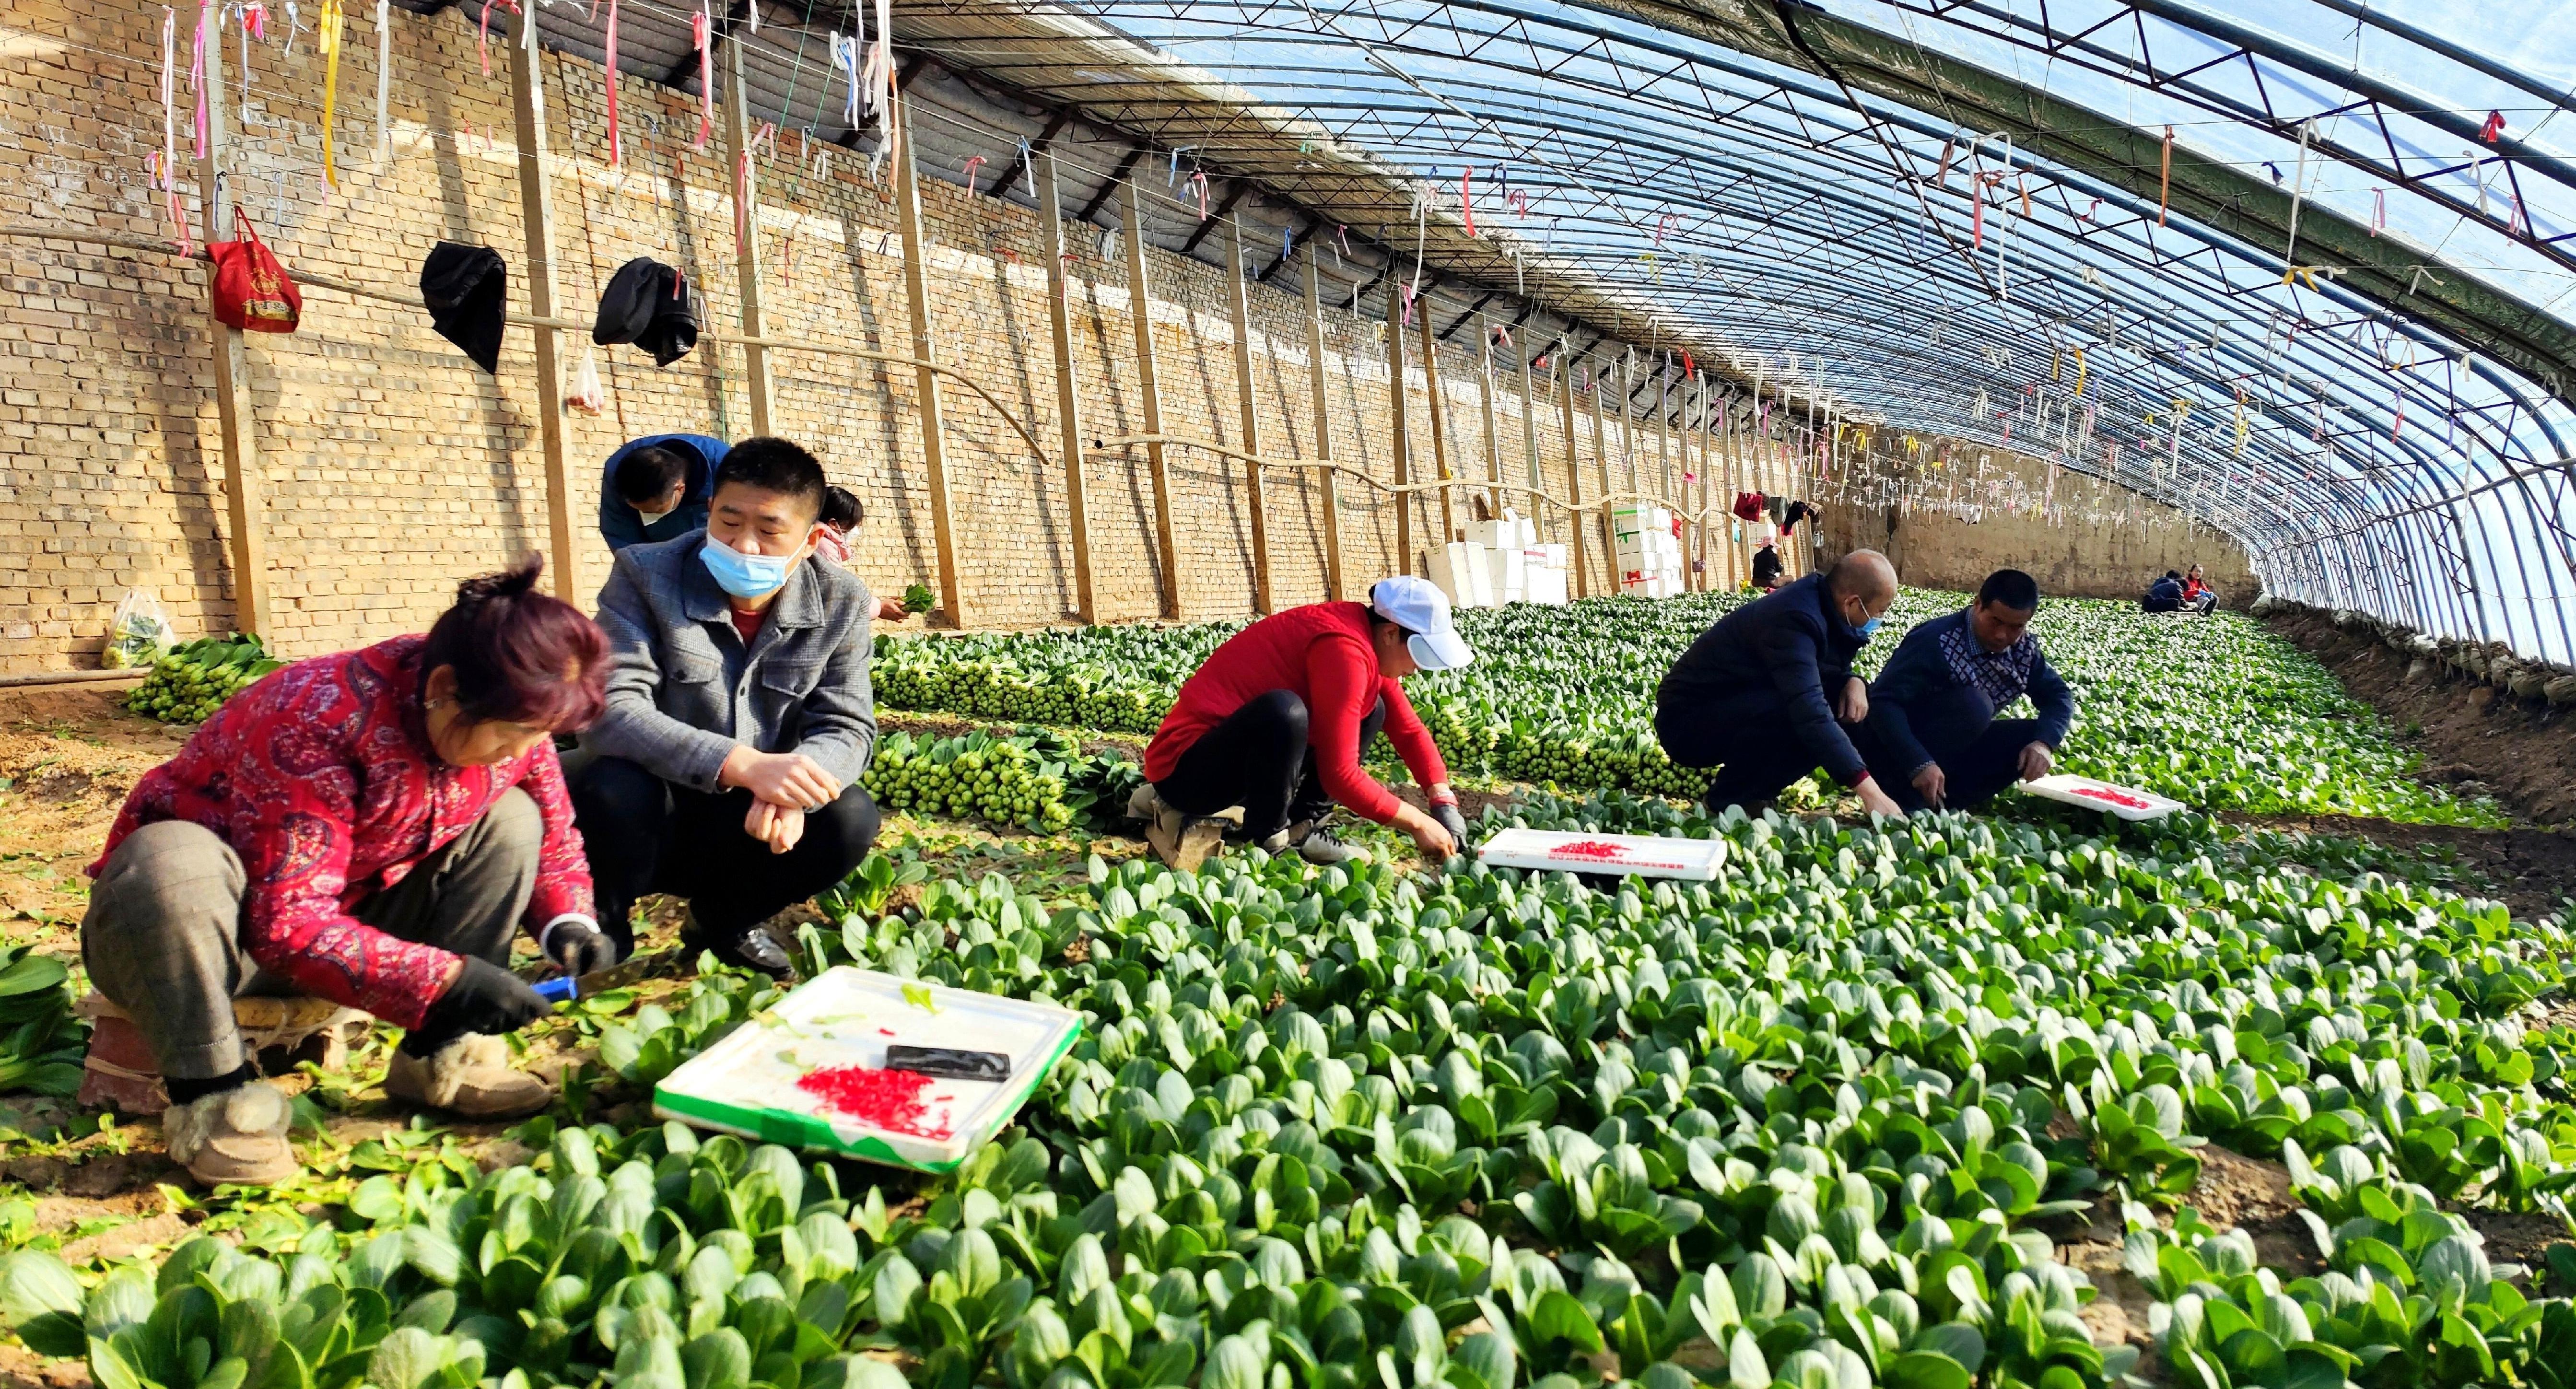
point(1764, 694)
point(1932, 737)
point(1767, 569)
point(2164, 596)
point(655, 488)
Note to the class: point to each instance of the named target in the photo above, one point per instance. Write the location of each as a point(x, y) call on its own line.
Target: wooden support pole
point(1068, 395)
point(1601, 455)
point(1149, 389)
point(234, 425)
point(1240, 302)
point(1493, 427)
point(1573, 475)
point(1317, 382)
point(746, 221)
point(1439, 422)
point(1529, 427)
point(537, 225)
point(934, 442)
point(1404, 501)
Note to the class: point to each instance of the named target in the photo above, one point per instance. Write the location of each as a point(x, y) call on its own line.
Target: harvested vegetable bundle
point(191, 683)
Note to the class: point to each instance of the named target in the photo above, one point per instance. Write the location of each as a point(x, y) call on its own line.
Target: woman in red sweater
point(1275, 720)
point(373, 828)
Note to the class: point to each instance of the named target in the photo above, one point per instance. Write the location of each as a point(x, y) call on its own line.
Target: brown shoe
point(234, 1137)
point(471, 1078)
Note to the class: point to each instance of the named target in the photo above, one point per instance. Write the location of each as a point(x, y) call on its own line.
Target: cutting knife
point(563, 988)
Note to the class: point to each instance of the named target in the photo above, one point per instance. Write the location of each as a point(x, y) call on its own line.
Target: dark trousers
point(2160, 605)
point(1749, 739)
point(645, 835)
point(1975, 763)
point(1258, 759)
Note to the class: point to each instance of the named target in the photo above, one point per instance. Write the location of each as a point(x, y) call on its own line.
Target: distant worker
point(1764, 695)
point(2197, 595)
point(655, 488)
point(1932, 738)
point(1275, 720)
point(1768, 571)
point(2163, 596)
point(841, 516)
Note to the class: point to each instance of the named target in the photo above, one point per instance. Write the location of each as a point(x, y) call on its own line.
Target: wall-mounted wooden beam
point(746, 193)
point(537, 226)
point(934, 438)
point(1439, 420)
point(1573, 477)
point(1493, 424)
point(1404, 502)
point(1318, 381)
point(1239, 302)
point(236, 430)
point(1068, 395)
point(1149, 390)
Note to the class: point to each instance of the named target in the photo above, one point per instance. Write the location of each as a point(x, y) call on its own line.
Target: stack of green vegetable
point(1034, 778)
point(40, 1040)
point(1824, 1122)
point(192, 681)
point(2216, 713)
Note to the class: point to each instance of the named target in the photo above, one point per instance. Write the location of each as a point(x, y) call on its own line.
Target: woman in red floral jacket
point(373, 828)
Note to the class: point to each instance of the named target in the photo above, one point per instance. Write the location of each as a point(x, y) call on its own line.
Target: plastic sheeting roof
point(2333, 312)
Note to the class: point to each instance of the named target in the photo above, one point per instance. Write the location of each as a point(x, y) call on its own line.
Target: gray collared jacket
point(683, 688)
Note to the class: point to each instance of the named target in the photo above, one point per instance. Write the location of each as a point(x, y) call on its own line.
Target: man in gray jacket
point(725, 769)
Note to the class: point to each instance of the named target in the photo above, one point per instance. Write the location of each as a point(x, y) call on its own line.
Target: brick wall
point(389, 467)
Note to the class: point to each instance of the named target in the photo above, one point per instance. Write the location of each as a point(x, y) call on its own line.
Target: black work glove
point(578, 949)
point(1446, 813)
point(485, 998)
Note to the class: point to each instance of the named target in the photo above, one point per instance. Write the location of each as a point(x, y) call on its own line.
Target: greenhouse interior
point(1510, 694)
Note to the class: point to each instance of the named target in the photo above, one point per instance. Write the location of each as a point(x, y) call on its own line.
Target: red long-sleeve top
point(320, 776)
point(1321, 654)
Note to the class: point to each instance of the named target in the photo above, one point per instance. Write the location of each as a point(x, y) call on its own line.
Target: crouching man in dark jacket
point(1765, 694)
point(1932, 738)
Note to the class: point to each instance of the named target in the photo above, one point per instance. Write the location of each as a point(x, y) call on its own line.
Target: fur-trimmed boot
point(233, 1137)
point(471, 1078)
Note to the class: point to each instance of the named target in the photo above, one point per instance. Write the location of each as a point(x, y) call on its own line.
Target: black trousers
point(645, 835)
point(1975, 763)
point(1749, 739)
point(1259, 759)
point(2160, 605)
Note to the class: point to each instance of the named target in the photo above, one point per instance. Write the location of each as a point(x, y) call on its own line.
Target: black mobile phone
point(949, 1063)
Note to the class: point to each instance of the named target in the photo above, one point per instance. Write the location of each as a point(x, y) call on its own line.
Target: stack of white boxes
point(1649, 545)
point(1500, 562)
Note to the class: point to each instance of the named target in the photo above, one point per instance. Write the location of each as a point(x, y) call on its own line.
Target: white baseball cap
point(1419, 607)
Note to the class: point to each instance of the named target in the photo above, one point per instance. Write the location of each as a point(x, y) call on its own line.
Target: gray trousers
point(162, 938)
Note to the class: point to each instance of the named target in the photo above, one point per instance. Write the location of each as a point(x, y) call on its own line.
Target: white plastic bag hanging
point(137, 634)
point(587, 395)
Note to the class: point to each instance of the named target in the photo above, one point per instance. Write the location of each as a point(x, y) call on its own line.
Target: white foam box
point(2127, 802)
point(1697, 860)
point(1555, 555)
point(1547, 586)
point(1509, 569)
point(747, 1083)
point(1462, 571)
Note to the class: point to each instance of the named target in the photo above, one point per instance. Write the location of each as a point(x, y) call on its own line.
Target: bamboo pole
point(536, 220)
point(1573, 474)
point(236, 430)
point(1493, 429)
point(1601, 455)
point(1068, 394)
point(1317, 381)
point(934, 443)
point(1404, 559)
point(1149, 389)
point(1256, 496)
point(1439, 422)
point(746, 213)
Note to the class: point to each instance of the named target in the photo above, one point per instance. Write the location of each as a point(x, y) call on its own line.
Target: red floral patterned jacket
point(321, 777)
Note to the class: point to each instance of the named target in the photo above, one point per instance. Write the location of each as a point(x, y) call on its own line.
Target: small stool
point(281, 1033)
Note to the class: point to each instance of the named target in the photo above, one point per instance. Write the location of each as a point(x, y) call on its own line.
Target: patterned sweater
point(320, 776)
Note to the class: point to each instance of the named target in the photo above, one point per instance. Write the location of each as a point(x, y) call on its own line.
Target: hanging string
point(384, 77)
point(197, 68)
point(700, 26)
point(845, 59)
point(2298, 191)
point(327, 38)
point(170, 128)
point(968, 169)
point(608, 77)
point(2164, 178)
point(1466, 198)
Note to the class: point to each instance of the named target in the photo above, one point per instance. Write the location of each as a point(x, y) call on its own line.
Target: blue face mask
point(745, 576)
point(1870, 626)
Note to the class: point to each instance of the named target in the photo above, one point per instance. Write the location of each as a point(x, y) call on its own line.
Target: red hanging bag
point(252, 289)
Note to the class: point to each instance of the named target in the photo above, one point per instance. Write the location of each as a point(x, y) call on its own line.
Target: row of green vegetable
point(2212, 711)
point(1820, 1123)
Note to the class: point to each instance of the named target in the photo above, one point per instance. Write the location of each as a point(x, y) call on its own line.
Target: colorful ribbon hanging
point(1467, 197)
point(170, 129)
point(384, 76)
point(2164, 178)
point(327, 38)
point(701, 26)
point(972, 164)
point(1199, 191)
point(608, 78)
point(206, 33)
point(2378, 211)
point(2079, 373)
point(845, 59)
point(2493, 130)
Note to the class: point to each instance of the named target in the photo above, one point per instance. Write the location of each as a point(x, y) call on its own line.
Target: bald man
point(1765, 695)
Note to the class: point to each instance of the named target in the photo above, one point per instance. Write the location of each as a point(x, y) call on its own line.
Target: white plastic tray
point(746, 1083)
point(1645, 855)
point(2127, 802)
